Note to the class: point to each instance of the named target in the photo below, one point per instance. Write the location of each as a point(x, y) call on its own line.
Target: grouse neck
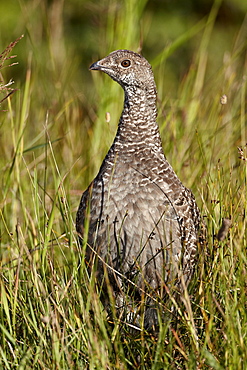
point(137, 125)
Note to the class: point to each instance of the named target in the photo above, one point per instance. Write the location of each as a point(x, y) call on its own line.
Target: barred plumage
point(143, 223)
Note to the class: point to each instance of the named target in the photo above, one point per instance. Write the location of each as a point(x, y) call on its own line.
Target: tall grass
point(53, 139)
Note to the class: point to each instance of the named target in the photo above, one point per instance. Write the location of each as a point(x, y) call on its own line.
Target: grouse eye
point(125, 63)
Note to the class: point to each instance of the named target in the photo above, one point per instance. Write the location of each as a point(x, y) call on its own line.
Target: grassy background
point(53, 137)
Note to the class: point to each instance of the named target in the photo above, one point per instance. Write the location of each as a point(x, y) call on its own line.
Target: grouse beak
point(99, 67)
point(95, 66)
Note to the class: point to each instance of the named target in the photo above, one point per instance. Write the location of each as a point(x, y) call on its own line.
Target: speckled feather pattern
point(143, 222)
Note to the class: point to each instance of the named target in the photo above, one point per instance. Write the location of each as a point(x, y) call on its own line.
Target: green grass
point(53, 138)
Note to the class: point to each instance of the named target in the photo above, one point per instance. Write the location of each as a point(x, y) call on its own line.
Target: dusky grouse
point(142, 223)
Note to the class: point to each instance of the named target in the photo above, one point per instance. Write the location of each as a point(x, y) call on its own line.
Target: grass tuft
point(5, 87)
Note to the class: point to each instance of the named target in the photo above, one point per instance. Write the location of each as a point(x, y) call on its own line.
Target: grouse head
point(128, 68)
